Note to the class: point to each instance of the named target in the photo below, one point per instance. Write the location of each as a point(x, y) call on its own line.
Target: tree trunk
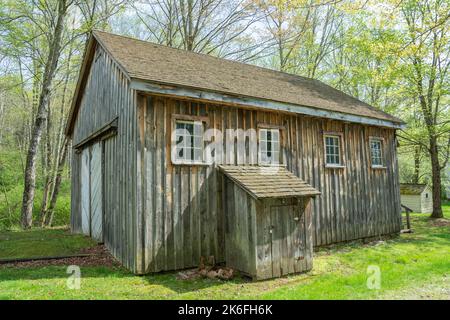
point(416, 175)
point(2, 107)
point(50, 212)
point(436, 176)
point(41, 116)
point(48, 170)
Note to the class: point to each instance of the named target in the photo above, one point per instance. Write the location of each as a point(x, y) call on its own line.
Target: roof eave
point(82, 78)
point(168, 89)
point(88, 57)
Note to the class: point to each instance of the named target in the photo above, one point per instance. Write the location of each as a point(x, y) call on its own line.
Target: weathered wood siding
point(241, 228)
point(288, 225)
point(181, 209)
point(266, 238)
point(76, 198)
point(96, 192)
point(85, 196)
point(107, 96)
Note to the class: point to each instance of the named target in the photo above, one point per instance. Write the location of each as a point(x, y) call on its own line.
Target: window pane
point(263, 135)
point(180, 153)
point(332, 150)
point(269, 146)
point(276, 157)
point(263, 146)
point(198, 142)
point(189, 140)
point(376, 152)
point(198, 129)
point(275, 146)
point(198, 154)
point(264, 158)
point(190, 128)
point(275, 135)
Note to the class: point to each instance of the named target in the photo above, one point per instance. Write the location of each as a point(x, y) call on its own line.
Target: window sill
point(272, 165)
point(379, 167)
point(191, 164)
point(332, 166)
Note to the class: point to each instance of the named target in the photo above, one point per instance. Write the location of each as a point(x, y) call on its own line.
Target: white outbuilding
point(417, 197)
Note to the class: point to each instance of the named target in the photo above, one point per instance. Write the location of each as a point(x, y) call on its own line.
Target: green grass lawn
point(413, 266)
point(41, 243)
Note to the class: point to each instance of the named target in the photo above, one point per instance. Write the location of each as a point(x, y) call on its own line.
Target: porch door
point(92, 191)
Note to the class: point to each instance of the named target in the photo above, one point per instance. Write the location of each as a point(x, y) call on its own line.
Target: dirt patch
point(97, 256)
point(221, 273)
point(207, 269)
point(440, 222)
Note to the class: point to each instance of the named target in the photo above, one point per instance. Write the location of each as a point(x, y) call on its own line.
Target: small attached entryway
point(268, 221)
point(286, 221)
point(92, 191)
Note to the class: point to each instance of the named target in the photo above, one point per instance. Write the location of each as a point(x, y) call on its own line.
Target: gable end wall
point(105, 97)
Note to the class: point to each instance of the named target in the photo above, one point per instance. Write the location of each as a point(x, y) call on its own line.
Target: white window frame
point(339, 137)
point(195, 121)
point(382, 153)
point(263, 144)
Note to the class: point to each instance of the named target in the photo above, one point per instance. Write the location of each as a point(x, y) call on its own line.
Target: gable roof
point(163, 65)
point(412, 188)
point(268, 182)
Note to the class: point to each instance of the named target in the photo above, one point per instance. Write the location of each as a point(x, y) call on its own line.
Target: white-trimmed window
point(269, 146)
point(376, 152)
point(333, 152)
point(189, 141)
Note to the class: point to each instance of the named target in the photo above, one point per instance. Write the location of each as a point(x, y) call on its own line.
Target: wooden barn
point(178, 155)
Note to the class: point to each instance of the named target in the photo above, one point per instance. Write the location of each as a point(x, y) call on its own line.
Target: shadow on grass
point(167, 280)
point(425, 236)
point(170, 281)
point(52, 242)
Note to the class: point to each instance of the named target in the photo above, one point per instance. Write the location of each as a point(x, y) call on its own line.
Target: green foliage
point(11, 173)
point(413, 266)
point(10, 205)
point(62, 209)
point(11, 189)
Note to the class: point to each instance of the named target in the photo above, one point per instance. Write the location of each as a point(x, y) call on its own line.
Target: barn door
point(92, 191)
point(288, 236)
point(96, 192)
point(85, 192)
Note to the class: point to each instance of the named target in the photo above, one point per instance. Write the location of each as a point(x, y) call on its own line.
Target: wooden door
point(92, 191)
point(96, 192)
point(85, 192)
point(288, 237)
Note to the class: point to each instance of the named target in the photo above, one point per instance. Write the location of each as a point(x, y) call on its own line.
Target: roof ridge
point(274, 75)
point(292, 75)
point(209, 56)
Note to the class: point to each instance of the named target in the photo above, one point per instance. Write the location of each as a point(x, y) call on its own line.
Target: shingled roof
point(151, 62)
point(412, 188)
point(162, 65)
point(268, 182)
